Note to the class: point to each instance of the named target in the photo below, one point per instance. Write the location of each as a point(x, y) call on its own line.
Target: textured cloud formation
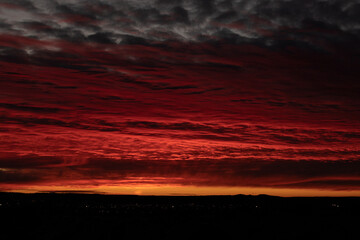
point(185, 92)
point(237, 21)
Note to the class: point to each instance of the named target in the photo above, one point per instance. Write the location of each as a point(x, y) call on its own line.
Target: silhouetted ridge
point(69, 215)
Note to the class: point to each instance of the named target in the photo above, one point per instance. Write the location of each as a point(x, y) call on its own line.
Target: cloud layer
point(199, 93)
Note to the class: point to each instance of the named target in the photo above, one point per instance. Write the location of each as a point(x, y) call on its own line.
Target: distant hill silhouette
point(69, 215)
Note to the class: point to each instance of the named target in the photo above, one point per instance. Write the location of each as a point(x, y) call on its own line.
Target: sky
point(182, 97)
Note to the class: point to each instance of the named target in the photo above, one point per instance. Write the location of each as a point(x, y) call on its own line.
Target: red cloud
point(177, 113)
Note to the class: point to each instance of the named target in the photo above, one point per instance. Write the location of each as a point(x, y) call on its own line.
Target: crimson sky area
point(180, 97)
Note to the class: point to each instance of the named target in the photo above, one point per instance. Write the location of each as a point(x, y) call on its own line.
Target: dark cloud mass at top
point(264, 22)
point(187, 92)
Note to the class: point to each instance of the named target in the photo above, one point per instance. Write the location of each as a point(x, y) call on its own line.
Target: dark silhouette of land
point(91, 216)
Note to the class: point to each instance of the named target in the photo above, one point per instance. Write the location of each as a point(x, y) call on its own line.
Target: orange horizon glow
point(169, 190)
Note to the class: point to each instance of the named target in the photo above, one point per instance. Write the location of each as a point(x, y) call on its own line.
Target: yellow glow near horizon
point(169, 190)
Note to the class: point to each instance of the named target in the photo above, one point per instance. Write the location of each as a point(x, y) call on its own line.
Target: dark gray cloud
point(22, 107)
point(16, 177)
point(201, 172)
point(306, 23)
point(14, 161)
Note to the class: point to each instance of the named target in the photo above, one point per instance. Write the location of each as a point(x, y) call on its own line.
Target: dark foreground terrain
point(85, 216)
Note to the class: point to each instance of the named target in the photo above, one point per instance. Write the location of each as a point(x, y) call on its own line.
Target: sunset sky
point(180, 97)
